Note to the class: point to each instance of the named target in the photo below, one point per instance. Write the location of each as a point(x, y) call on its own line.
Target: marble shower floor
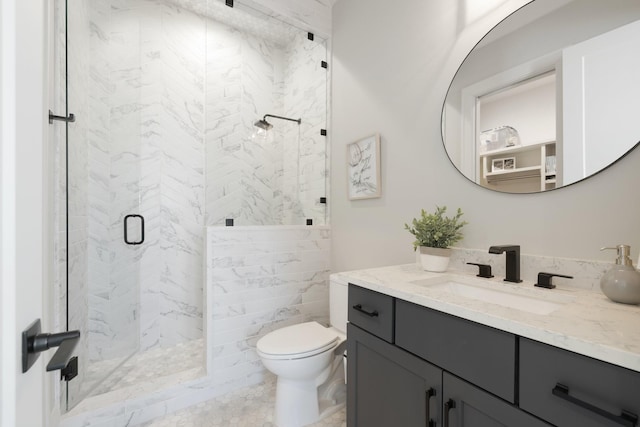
point(248, 407)
point(147, 366)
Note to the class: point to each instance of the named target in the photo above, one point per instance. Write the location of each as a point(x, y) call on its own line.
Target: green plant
point(436, 230)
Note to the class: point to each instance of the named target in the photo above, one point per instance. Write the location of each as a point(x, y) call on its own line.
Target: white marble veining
point(260, 279)
point(590, 324)
point(254, 182)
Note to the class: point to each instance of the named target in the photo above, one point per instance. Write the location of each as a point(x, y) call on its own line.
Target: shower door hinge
point(229, 3)
point(323, 132)
point(69, 119)
point(324, 64)
point(310, 36)
point(70, 371)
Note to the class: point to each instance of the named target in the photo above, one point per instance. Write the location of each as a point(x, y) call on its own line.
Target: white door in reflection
point(601, 93)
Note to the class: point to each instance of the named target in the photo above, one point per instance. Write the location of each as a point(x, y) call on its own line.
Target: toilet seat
point(297, 341)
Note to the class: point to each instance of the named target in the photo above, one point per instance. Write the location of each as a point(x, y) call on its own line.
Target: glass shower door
point(103, 190)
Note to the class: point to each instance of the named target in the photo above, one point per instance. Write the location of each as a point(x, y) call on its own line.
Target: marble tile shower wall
point(260, 279)
point(258, 183)
point(242, 72)
point(305, 173)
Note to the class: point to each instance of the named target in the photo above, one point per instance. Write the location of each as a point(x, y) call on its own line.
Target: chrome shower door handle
point(126, 230)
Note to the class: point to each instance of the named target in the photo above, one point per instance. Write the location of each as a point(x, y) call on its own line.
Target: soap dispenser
point(622, 282)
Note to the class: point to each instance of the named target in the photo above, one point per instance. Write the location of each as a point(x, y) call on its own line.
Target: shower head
point(263, 127)
point(263, 124)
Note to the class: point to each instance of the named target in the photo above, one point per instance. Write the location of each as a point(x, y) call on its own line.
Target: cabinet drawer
point(372, 311)
point(593, 388)
point(482, 355)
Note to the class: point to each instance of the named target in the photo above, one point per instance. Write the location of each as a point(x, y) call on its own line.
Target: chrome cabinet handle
point(626, 419)
point(358, 307)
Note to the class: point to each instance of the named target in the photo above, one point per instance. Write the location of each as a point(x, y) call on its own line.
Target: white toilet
point(304, 360)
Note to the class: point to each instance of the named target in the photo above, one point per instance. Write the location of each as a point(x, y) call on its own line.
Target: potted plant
point(435, 233)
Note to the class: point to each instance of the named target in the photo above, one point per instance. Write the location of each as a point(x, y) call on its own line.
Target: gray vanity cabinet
point(409, 365)
point(400, 361)
point(388, 387)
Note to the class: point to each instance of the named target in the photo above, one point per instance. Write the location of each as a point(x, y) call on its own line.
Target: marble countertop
point(587, 322)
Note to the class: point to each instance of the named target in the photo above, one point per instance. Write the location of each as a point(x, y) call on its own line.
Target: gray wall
point(392, 64)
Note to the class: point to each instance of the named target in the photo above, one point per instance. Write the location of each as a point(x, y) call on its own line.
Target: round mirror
point(550, 96)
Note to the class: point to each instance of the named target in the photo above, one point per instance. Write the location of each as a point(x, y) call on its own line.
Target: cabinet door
point(388, 387)
point(469, 406)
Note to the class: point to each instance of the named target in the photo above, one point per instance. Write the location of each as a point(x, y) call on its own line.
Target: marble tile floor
point(145, 366)
point(247, 407)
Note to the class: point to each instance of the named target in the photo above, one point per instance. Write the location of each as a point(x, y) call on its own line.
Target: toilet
point(309, 372)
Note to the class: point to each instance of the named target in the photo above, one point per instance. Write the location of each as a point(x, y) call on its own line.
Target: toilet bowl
point(303, 358)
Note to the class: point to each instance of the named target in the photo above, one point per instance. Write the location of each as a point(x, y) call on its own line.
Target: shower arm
point(282, 118)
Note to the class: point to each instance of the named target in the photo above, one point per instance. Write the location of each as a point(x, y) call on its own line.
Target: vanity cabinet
point(414, 379)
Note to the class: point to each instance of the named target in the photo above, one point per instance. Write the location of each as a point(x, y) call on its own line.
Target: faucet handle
point(544, 279)
point(485, 270)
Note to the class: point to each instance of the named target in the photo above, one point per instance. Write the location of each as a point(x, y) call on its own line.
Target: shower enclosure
point(165, 95)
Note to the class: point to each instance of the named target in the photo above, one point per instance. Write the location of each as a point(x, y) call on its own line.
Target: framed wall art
point(363, 168)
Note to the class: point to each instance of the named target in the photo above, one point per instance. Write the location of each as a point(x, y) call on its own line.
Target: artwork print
point(363, 157)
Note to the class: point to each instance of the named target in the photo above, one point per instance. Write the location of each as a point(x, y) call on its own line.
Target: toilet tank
point(338, 303)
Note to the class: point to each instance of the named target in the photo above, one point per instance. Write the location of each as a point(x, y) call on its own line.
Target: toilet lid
point(298, 339)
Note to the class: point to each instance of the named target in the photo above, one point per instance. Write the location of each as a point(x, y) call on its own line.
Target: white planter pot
point(434, 259)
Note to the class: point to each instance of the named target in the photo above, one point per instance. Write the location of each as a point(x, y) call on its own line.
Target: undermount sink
point(507, 295)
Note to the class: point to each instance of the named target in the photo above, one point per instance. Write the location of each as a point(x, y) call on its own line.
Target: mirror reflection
point(548, 97)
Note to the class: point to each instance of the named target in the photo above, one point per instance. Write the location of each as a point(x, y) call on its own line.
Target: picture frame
point(363, 168)
point(503, 164)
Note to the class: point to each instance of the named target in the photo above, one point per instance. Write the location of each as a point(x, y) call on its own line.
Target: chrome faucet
point(513, 261)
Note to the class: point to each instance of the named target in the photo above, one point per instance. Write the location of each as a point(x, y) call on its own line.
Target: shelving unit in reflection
point(532, 170)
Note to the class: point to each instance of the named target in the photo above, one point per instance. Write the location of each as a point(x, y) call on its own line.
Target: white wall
point(392, 64)
point(24, 207)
